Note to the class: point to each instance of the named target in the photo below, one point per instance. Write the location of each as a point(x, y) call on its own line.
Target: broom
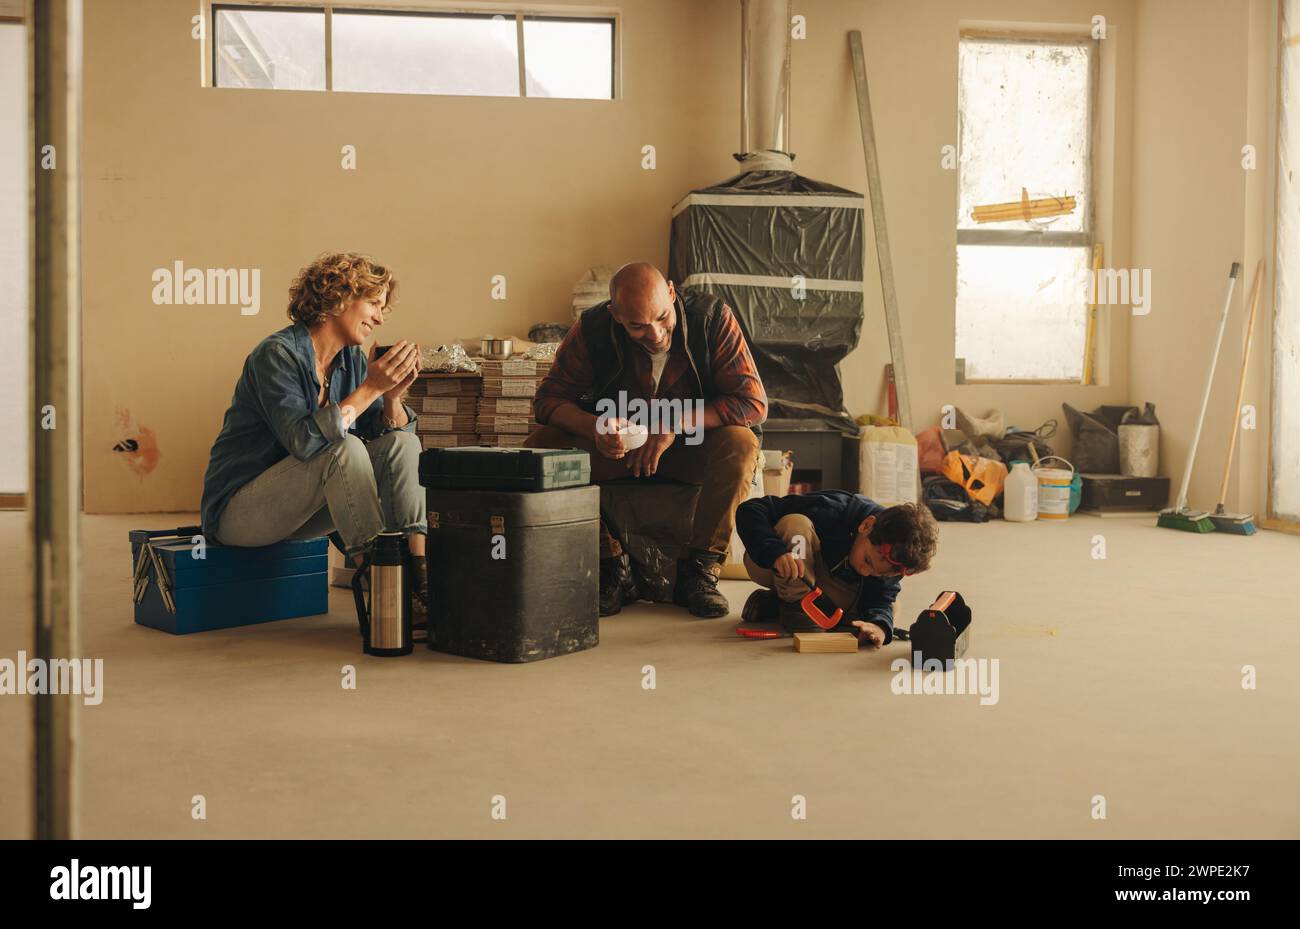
point(1239, 523)
point(1179, 516)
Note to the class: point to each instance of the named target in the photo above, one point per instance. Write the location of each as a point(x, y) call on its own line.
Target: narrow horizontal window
point(426, 54)
point(269, 49)
point(569, 58)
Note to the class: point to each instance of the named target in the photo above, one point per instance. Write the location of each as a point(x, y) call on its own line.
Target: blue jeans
point(358, 489)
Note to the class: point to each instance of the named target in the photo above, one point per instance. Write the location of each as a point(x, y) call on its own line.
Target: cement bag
point(887, 465)
point(1096, 438)
point(982, 477)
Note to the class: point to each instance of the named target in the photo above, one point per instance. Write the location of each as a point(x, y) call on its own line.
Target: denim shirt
point(274, 414)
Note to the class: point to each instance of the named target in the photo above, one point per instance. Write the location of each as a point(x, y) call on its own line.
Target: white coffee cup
point(633, 435)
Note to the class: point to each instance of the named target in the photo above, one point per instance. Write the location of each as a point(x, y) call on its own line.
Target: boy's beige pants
point(815, 568)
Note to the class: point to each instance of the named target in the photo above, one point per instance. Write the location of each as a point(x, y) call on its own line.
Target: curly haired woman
point(317, 439)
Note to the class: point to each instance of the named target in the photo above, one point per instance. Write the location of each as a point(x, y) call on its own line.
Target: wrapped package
point(785, 252)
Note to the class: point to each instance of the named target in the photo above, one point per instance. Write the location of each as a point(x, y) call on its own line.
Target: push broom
point(1239, 523)
point(1179, 516)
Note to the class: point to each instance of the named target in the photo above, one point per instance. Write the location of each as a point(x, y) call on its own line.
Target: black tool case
point(513, 576)
point(941, 632)
point(1115, 493)
point(486, 468)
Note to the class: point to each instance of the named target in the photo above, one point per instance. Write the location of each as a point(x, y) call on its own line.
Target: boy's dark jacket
point(836, 515)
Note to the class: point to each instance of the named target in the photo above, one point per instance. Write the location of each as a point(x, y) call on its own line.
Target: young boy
point(853, 548)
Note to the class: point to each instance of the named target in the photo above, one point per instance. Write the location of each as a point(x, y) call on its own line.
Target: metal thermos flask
point(386, 619)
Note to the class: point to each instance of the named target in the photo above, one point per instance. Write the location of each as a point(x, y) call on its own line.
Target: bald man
point(676, 364)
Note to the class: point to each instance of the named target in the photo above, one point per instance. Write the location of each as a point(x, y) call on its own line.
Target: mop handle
point(1209, 383)
point(1241, 383)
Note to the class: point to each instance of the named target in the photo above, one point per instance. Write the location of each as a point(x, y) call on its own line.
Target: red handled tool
point(817, 606)
point(760, 633)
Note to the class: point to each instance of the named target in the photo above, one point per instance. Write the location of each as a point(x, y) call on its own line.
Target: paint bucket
point(1053, 488)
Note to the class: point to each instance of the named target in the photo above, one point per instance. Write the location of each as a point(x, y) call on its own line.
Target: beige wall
point(1203, 89)
point(911, 51)
point(454, 190)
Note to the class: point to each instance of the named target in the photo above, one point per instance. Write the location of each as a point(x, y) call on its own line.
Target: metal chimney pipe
point(764, 76)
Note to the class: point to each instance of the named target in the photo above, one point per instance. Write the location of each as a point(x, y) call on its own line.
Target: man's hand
point(395, 371)
point(788, 567)
point(604, 433)
point(870, 636)
point(644, 461)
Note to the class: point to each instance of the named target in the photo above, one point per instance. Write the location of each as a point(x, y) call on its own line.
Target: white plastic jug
point(1020, 494)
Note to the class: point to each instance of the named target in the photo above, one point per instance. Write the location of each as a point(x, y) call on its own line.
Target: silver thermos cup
point(386, 619)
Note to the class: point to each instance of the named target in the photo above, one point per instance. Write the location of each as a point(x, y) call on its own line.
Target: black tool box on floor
point(513, 575)
point(488, 468)
point(1115, 493)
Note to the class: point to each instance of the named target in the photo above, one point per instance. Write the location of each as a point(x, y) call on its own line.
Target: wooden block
point(825, 643)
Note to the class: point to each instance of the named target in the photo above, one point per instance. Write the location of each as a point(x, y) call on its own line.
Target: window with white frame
point(1025, 111)
point(280, 49)
point(507, 54)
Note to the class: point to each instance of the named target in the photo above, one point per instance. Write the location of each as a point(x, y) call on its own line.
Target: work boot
point(794, 619)
point(616, 586)
point(697, 586)
point(762, 606)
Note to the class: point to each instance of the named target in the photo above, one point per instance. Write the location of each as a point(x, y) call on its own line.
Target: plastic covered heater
point(785, 252)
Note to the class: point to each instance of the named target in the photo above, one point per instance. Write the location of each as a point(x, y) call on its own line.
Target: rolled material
point(1139, 449)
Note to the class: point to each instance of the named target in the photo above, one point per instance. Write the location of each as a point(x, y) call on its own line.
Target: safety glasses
point(887, 550)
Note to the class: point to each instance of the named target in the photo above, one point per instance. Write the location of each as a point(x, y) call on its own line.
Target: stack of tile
point(446, 405)
point(505, 410)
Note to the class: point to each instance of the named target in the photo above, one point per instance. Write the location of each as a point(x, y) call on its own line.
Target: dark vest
point(607, 346)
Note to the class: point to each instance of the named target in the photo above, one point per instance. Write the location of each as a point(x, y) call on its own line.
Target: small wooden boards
point(825, 643)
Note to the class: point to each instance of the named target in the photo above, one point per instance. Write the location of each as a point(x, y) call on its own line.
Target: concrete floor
point(1119, 677)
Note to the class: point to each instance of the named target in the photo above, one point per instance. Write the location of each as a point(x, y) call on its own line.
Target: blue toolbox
point(181, 584)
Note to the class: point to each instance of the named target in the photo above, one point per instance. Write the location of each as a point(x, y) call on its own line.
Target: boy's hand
point(870, 636)
point(788, 567)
